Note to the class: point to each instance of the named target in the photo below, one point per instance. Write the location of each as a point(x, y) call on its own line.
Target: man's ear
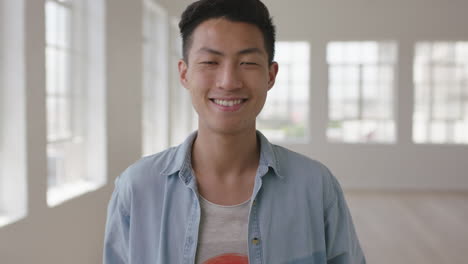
point(272, 72)
point(183, 72)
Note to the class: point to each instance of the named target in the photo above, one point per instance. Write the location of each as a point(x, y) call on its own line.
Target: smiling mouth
point(228, 103)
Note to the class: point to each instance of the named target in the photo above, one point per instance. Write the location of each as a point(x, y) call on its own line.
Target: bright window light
point(13, 189)
point(75, 97)
point(441, 93)
point(155, 79)
point(183, 116)
point(285, 114)
point(2, 111)
point(361, 92)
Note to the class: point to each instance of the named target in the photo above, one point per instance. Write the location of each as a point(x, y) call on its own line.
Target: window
point(285, 114)
point(13, 194)
point(361, 92)
point(183, 116)
point(2, 110)
point(155, 79)
point(441, 93)
point(75, 97)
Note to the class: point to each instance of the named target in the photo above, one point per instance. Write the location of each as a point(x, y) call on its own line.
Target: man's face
point(228, 75)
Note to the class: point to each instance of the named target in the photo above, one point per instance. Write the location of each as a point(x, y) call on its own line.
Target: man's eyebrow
point(208, 50)
point(241, 52)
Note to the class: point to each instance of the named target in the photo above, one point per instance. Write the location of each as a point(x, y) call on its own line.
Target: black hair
point(249, 11)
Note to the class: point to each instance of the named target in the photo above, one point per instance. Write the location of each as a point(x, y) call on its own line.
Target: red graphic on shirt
point(228, 259)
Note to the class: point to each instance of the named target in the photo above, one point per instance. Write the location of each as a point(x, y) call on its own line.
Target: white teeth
point(227, 102)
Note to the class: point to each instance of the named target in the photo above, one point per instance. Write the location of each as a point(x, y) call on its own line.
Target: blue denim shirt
point(297, 212)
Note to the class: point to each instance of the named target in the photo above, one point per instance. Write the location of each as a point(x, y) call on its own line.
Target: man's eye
point(209, 62)
point(248, 63)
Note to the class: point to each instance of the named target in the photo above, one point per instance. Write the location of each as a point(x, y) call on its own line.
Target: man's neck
point(225, 156)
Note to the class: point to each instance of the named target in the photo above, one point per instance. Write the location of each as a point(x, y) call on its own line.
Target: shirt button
point(255, 241)
point(254, 202)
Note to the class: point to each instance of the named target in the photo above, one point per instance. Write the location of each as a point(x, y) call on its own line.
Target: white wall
point(73, 232)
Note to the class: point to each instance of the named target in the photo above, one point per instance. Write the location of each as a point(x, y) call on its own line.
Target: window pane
point(2, 112)
point(13, 180)
point(361, 84)
point(58, 19)
point(74, 88)
point(285, 114)
point(58, 64)
point(155, 75)
point(59, 98)
point(441, 90)
point(182, 113)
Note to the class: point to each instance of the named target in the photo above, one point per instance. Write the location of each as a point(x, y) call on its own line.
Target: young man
point(226, 195)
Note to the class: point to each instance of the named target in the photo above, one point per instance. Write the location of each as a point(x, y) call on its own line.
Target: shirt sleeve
point(341, 240)
point(116, 240)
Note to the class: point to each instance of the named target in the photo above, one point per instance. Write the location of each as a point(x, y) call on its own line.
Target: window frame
point(78, 171)
point(58, 140)
point(183, 117)
point(13, 189)
point(2, 104)
point(155, 108)
point(360, 66)
point(432, 65)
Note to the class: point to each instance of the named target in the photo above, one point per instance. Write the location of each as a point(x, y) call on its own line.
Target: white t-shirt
point(223, 233)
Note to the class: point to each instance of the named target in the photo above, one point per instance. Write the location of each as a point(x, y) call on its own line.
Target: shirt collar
point(268, 157)
point(181, 160)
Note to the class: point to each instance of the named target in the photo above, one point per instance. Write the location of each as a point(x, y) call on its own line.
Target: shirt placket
point(255, 238)
point(191, 239)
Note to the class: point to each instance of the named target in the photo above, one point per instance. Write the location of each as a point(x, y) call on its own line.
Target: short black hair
point(249, 11)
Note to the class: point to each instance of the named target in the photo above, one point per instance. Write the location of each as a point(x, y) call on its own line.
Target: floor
point(411, 227)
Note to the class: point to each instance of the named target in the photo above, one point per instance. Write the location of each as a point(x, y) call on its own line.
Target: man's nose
point(229, 77)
